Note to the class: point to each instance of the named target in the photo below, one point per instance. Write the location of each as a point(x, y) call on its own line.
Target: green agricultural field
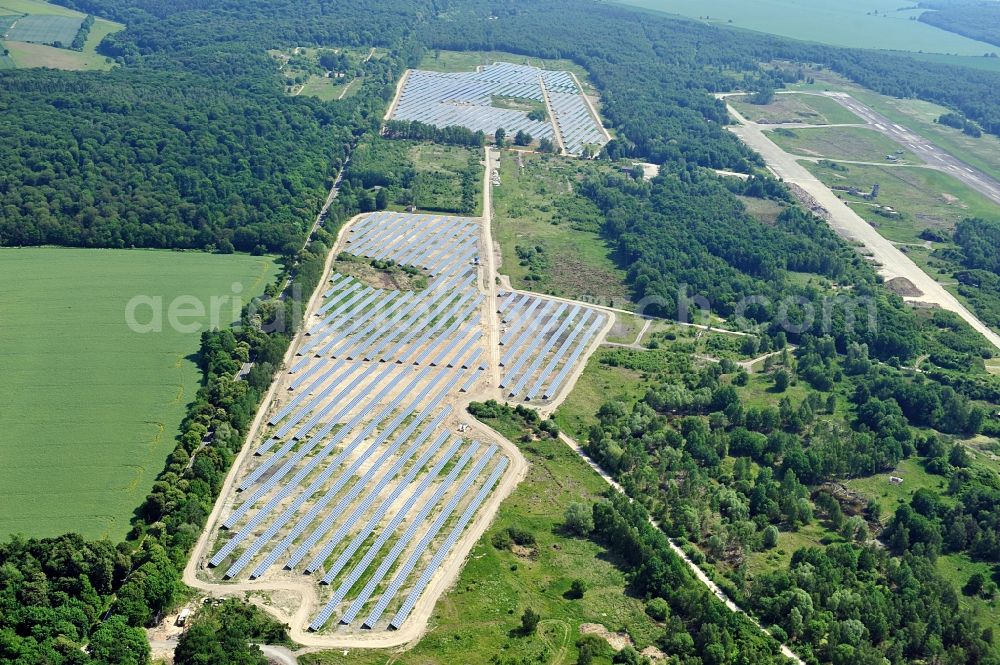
point(874, 24)
point(848, 143)
point(924, 198)
point(988, 64)
point(91, 408)
point(536, 208)
point(25, 55)
point(35, 7)
point(808, 109)
point(477, 619)
point(45, 29)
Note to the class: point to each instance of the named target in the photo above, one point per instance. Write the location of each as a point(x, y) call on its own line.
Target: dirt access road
point(892, 262)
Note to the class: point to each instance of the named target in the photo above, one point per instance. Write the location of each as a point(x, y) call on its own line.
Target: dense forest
point(977, 19)
point(729, 475)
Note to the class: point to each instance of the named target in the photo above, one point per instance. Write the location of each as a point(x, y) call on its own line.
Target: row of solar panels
point(367, 327)
point(320, 480)
point(460, 489)
point(466, 99)
point(319, 460)
point(470, 87)
point(381, 482)
point(575, 122)
point(542, 342)
point(411, 239)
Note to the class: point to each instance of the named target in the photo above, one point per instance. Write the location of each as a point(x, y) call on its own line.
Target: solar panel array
point(541, 341)
point(357, 465)
point(465, 99)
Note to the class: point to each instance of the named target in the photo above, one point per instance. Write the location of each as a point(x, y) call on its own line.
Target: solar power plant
point(542, 340)
point(466, 99)
point(359, 472)
point(364, 477)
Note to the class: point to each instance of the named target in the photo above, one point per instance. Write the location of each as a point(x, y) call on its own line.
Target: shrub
point(658, 609)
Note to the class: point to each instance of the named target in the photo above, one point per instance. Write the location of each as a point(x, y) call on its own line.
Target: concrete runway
point(918, 145)
point(891, 261)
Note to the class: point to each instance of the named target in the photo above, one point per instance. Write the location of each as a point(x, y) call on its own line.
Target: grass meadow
point(924, 198)
point(531, 204)
point(848, 143)
point(91, 408)
point(807, 109)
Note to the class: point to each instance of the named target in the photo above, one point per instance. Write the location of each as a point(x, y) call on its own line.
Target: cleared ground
point(842, 143)
point(807, 109)
point(874, 24)
point(91, 408)
point(923, 198)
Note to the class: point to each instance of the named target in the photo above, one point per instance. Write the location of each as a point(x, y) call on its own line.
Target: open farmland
point(482, 101)
point(44, 29)
point(366, 473)
point(91, 408)
point(31, 26)
point(872, 24)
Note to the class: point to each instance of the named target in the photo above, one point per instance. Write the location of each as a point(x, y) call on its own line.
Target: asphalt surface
point(891, 261)
point(918, 145)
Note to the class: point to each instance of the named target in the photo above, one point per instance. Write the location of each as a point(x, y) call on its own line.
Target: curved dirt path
point(305, 590)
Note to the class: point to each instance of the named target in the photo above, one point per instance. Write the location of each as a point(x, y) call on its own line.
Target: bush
point(521, 537)
point(770, 537)
point(579, 518)
point(658, 609)
point(529, 621)
point(501, 540)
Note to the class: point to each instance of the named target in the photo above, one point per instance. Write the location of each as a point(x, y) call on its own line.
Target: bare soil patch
point(390, 277)
point(903, 287)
